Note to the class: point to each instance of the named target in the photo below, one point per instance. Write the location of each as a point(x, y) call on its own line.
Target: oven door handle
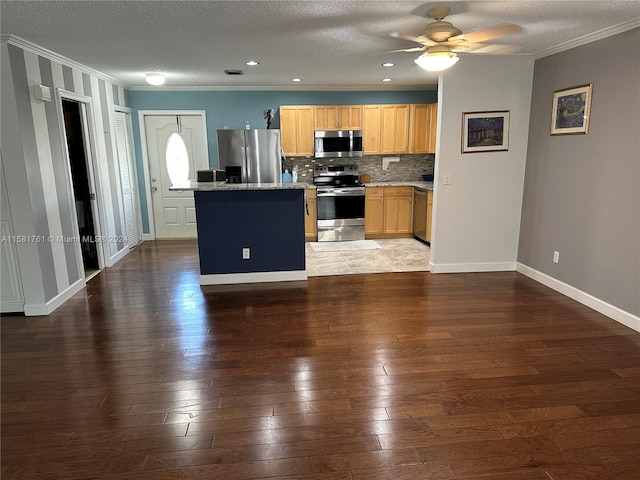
point(341, 192)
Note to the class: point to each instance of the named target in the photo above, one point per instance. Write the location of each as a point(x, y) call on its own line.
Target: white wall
point(477, 216)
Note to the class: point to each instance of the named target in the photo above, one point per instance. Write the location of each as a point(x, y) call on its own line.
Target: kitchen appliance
point(337, 143)
point(420, 213)
point(339, 203)
point(254, 155)
point(211, 175)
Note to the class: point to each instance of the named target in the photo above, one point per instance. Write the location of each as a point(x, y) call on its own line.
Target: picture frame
point(571, 110)
point(485, 131)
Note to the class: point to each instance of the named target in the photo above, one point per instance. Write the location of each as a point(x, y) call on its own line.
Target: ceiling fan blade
point(415, 49)
point(493, 49)
point(412, 38)
point(490, 33)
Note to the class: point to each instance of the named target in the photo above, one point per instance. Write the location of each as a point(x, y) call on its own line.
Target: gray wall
point(38, 172)
point(582, 192)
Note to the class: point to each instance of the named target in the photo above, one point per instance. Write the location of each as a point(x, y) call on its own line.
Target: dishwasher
point(420, 214)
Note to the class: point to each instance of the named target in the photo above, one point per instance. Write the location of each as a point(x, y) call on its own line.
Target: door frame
point(142, 114)
point(91, 156)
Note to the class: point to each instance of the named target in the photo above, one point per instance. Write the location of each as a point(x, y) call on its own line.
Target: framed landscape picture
point(571, 110)
point(485, 131)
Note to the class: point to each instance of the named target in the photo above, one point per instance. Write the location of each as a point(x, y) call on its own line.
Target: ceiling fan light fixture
point(155, 78)
point(436, 61)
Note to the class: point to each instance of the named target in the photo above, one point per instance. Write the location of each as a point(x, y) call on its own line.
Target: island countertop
point(222, 186)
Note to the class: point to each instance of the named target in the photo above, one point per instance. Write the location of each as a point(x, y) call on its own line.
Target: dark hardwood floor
point(146, 375)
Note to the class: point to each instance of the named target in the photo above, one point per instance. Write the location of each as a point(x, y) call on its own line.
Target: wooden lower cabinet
point(310, 216)
point(388, 212)
point(373, 211)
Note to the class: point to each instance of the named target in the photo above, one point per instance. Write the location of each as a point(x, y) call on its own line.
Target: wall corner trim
point(625, 318)
point(37, 309)
point(471, 267)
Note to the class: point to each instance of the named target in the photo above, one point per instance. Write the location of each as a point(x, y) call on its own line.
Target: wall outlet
point(446, 179)
point(246, 253)
point(556, 256)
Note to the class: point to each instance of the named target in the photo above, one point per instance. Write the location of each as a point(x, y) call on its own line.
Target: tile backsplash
point(408, 168)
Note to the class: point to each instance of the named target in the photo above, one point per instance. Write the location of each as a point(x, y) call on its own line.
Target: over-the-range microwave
point(338, 143)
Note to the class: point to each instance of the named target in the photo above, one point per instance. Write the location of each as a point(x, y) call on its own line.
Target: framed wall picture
point(571, 110)
point(485, 131)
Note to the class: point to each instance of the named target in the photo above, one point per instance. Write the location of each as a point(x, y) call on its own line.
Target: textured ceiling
point(333, 44)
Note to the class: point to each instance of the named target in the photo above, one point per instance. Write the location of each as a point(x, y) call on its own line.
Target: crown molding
point(308, 88)
point(56, 57)
point(591, 37)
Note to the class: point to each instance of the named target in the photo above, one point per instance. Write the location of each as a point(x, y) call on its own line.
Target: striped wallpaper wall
point(38, 153)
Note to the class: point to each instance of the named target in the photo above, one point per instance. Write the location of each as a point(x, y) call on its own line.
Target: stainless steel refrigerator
point(256, 152)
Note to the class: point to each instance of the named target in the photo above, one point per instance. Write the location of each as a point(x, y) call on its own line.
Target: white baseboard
point(145, 237)
point(11, 307)
point(611, 311)
point(472, 267)
point(253, 277)
point(35, 309)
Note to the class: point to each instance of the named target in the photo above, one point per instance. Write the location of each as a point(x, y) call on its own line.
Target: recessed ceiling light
point(387, 79)
point(252, 63)
point(296, 79)
point(388, 64)
point(155, 78)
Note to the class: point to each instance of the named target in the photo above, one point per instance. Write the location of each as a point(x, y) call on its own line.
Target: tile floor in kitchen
point(395, 255)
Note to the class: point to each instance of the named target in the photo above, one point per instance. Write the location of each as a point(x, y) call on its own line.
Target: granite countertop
point(222, 186)
point(417, 184)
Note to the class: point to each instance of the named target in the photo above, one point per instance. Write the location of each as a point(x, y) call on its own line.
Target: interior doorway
point(84, 196)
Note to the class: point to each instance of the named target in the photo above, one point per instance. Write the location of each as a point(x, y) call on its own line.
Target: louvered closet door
point(128, 176)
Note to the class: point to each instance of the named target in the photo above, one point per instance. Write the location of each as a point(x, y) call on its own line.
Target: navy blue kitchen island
point(264, 222)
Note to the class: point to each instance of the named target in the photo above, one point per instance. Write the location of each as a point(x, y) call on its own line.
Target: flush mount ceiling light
point(155, 78)
point(387, 79)
point(388, 64)
point(252, 63)
point(437, 59)
point(296, 79)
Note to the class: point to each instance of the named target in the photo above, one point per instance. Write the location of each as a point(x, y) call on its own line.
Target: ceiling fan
point(440, 40)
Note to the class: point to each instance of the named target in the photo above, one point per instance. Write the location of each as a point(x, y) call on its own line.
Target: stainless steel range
point(340, 203)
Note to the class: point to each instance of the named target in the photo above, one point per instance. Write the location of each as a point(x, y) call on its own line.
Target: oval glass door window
point(177, 158)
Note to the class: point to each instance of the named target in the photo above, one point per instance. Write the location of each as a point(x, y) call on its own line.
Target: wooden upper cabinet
point(371, 129)
point(420, 128)
point(395, 129)
point(433, 124)
point(296, 130)
point(338, 117)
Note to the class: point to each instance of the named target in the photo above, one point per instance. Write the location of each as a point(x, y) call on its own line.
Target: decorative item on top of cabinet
point(310, 216)
point(296, 130)
point(338, 117)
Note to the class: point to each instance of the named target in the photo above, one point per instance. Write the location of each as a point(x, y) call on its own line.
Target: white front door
point(177, 149)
